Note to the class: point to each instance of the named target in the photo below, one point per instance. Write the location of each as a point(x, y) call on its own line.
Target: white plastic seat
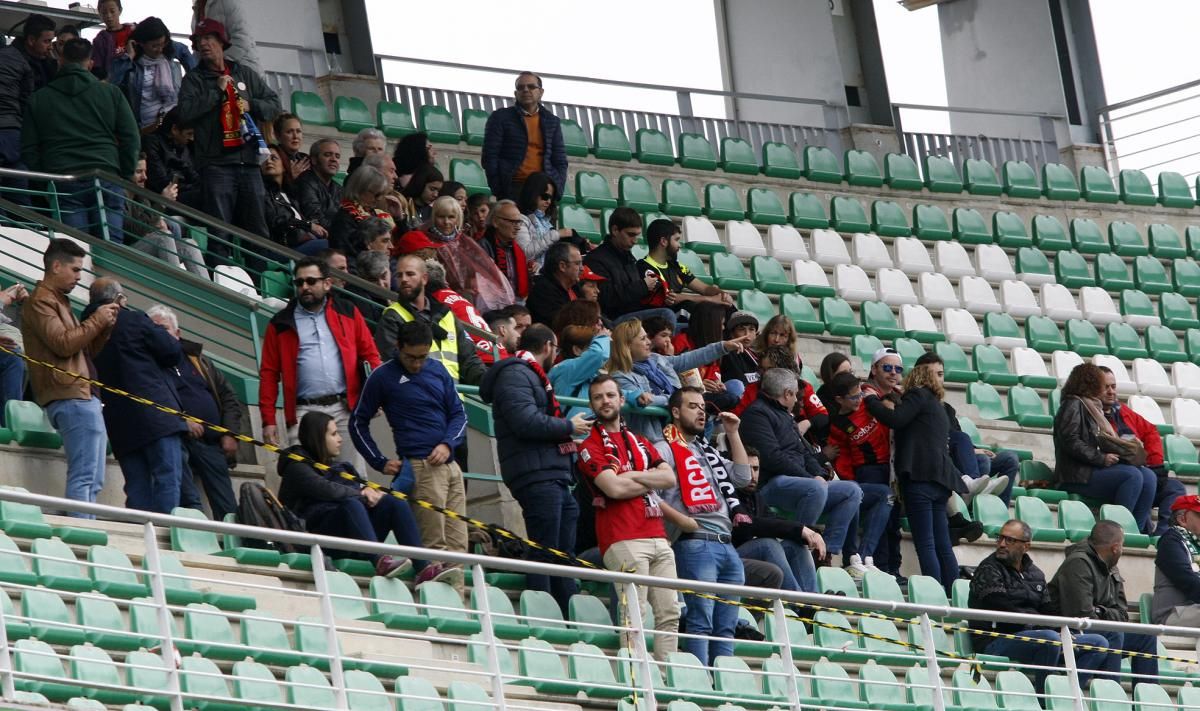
point(962, 328)
point(236, 279)
point(911, 256)
point(869, 252)
point(1027, 361)
point(936, 292)
point(1063, 362)
point(1186, 377)
point(829, 249)
point(1152, 379)
point(699, 229)
point(914, 317)
point(894, 287)
point(1125, 384)
point(977, 296)
point(992, 263)
point(1148, 408)
point(787, 244)
point(806, 272)
point(1185, 416)
point(1098, 306)
point(952, 260)
point(1018, 300)
point(744, 239)
point(852, 283)
point(1058, 303)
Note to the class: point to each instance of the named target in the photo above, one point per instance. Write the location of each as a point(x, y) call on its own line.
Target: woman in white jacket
point(538, 204)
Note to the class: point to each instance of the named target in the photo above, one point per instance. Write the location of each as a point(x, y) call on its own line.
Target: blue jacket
point(1176, 582)
point(571, 377)
point(528, 435)
point(633, 384)
point(422, 409)
point(505, 141)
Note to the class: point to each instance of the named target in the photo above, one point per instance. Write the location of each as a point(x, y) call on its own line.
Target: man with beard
point(664, 239)
point(316, 346)
point(701, 510)
point(452, 348)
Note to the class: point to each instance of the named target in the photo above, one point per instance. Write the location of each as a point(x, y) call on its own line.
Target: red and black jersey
point(860, 440)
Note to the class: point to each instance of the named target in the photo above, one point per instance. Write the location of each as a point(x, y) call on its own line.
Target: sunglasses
point(897, 369)
point(528, 87)
point(307, 281)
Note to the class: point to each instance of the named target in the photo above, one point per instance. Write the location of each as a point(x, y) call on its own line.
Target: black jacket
point(922, 436)
point(200, 104)
point(505, 142)
point(284, 226)
point(546, 297)
point(1076, 445)
point(135, 359)
point(311, 494)
point(762, 524)
point(770, 428)
point(16, 84)
point(625, 287)
point(165, 160)
point(528, 435)
point(1176, 583)
point(315, 200)
point(997, 586)
point(222, 391)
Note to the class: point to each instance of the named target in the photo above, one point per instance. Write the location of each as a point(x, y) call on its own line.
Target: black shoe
point(970, 532)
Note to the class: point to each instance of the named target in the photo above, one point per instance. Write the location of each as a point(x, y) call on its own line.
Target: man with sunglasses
point(317, 347)
point(521, 140)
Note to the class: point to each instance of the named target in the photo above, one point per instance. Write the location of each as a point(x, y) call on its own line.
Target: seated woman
point(412, 153)
point(289, 133)
point(284, 221)
point(333, 505)
point(458, 191)
point(584, 348)
point(425, 187)
point(538, 203)
point(362, 197)
point(647, 378)
point(1085, 463)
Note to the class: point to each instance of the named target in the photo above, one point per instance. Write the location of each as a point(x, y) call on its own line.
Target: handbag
point(1128, 451)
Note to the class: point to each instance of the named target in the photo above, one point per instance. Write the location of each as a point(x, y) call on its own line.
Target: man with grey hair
point(376, 268)
point(318, 196)
point(147, 442)
point(368, 142)
point(786, 479)
point(502, 242)
point(205, 393)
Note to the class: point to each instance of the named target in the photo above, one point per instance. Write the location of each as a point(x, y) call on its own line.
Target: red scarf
point(231, 115)
point(464, 311)
point(697, 494)
point(638, 460)
point(555, 408)
point(520, 269)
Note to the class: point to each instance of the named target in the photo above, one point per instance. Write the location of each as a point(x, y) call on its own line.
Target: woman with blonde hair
point(362, 196)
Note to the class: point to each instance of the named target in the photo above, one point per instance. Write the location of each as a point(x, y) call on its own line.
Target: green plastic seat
point(1084, 339)
point(737, 156)
point(992, 366)
point(880, 321)
point(505, 624)
point(864, 346)
point(579, 219)
point(209, 632)
point(1185, 276)
point(765, 208)
point(999, 325)
point(757, 303)
point(958, 368)
point(835, 635)
point(696, 152)
point(30, 426)
point(832, 581)
point(1125, 239)
point(930, 223)
point(351, 115)
point(910, 349)
point(254, 683)
point(1009, 229)
point(1117, 513)
point(1034, 512)
point(439, 124)
point(1164, 346)
point(1112, 272)
point(941, 175)
point(862, 169)
point(364, 691)
point(1016, 691)
point(417, 694)
point(445, 609)
point(395, 120)
point(917, 687)
point(1031, 260)
point(1076, 519)
point(800, 310)
point(200, 677)
point(779, 161)
point(113, 574)
point(34, 657)
point(838, 317)
point(1071, 270)
point(833, 687)
point(878, 585)
point(592, 190)
point(190, 540)
point(821, 165)
point(653, 147)
point(310, 108)
point(881, 690)
point(1165, 242)
point(636, 192)
point(471, 175)
point(465, 696)
point(1181, 454)
point(769, 276)
point(92, 667)
point(1027, 408)
point(695, 264)
point(679, 198)
point(969, 226)
point(1043, 335)
point(806, 210)
point(177, 581)
point(1049, 235)
point(1173, 190)
point(1191, 341)
point(989, 510)
point(1096, 185)
point(1086, 236)
point(985, 399)
point(276, 283)
point(474, 123)
point(883, 650)
point(268, 641)
point(587, 610)
point(924, 590)
point(980, 177)
point(56, 567)
point(548, 623)
point(538, 659)
point(14, 567)
point(145, 670)
point(887, 219)
point(1019, 180)
point(847, 215)
point(1136, 189)
point(1058, 182)
point(729, 272)
point(610, 142)
point(1150, 276)
point(575, 140)
point(1150, 697)
point(901, 173)
point(47, 617)
point(971, 694)
point(392, 604)
point(629, 673)
point(721, 202)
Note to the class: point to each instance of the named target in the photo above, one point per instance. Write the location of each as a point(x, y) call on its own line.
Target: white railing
point(1154, 132)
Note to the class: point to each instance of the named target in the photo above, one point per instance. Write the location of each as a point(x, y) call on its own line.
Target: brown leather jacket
point(53, 334)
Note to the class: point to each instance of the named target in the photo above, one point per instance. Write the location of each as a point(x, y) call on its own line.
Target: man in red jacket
point(1127, 423)
point(318, 348)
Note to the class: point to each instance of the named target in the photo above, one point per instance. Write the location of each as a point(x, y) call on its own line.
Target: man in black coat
point(25, 66)
point(625, 287)
point(147, 442)
point(316, 194)
point(534, 442)
point(521, 140)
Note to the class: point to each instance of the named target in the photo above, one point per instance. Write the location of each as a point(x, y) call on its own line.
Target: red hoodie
point(1141, 428)
point(860, 440)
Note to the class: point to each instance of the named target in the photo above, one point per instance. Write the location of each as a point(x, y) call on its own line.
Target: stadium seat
point(900, 172)
point(351, 115)
point(1135, 188)
point(1098, 306)
point(1034, 512)
point(1058, 183)
point(395, 120)
point(1018, 299)
point(1096, 185)
point(969, 227)
point(1009, 230)
point(764, 207)
point(1164, 345)
point(852, 283)
point(737, 156)
point(1165, 242)
point(804, 317)
point(55, 566)
point(679, 198)
point(729, 273)
point(592, 190)
point(1027, 408)
point(474, 123)
point(868, 251)
point(744, 239)
point(768, 275)
point(829, 249)
point(636, 192)
point(1125, 384)
point(1148, 696)
point(941, 175)
point(807, 211)
point(1049, 235)
point(1185, 416)
point(894, 287)
point(811, 279)
point(991, 263)
point(1030, 368)
point(1083, 338)
point(696, 152)
point(864, 345)
point(365, 692)
point(610, 142)
point(847, 215)
point(439, 124)
point(880, 321)
point(1150, 276)
point(1001, 330)
point(1186, 378)
point(961, 327)
point(46, 617)
point(930, 222)
point(985, 398)
point(575, 141)
point(446, 612)
point(721, 202)
point(977, 296)
point(1173, 190)
point(779, 161)
point(1148, 408)
point(1032, 266)
point(1182, 455)
point(1125, 239)
point(992, 366)
point(1191, 341)
point(958, 369)
point(1152, 379)
point(1043, 335)
point(952, 260)
point(310, 108)
point(979, 177)
point(1071, 270)
point(918, 324)
point(1112, 273)
point(1185, 276)
point(1019, 180)
point(1137, 309)
point(1058, 303)
point(936, 292)
point(880, 689)
point(887, 219)
point(839, 319)
point(30, 426)
point(579, 219)
point(912, 257)
point(1086, 236)
point(786, 243)
point(1075, 518)
point(653, 147)
point(821, 165)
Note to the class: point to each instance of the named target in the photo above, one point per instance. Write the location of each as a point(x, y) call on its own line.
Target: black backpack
point(258, 506)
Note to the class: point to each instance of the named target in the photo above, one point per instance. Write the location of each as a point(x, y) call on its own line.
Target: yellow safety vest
point(445, 351)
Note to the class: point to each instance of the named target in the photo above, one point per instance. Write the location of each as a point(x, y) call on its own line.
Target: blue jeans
point(353, 519)
point(551, 514)
point(794, 559)
point(925, 505)
point(1131, 642)
point(82, 210)
point(713, 562)
point(154, 474)
point(1124, 484)
point(874, 512)
point(12, 380)
point(1048, 655)
point(807, 498)
point(10, 157)
point(85, 441)
point(1168, 490)
point(313, 247)
point(644, 314)
point(1005, 463)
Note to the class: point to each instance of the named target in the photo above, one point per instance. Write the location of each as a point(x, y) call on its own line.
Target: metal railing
point(1153, 132)
point(1037, 145)
point(333, 613)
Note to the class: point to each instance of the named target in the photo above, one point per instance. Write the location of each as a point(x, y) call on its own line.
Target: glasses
point(509, 220)
point(547, 196)
point(307, 281)
point(897, 369)
point(853, 398)
point(1009, 540)
point(528, 87)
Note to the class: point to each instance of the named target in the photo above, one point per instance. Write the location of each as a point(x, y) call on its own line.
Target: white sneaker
point(974, 487)
point(869, 564)
point(997, 484)
point(855, 567)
